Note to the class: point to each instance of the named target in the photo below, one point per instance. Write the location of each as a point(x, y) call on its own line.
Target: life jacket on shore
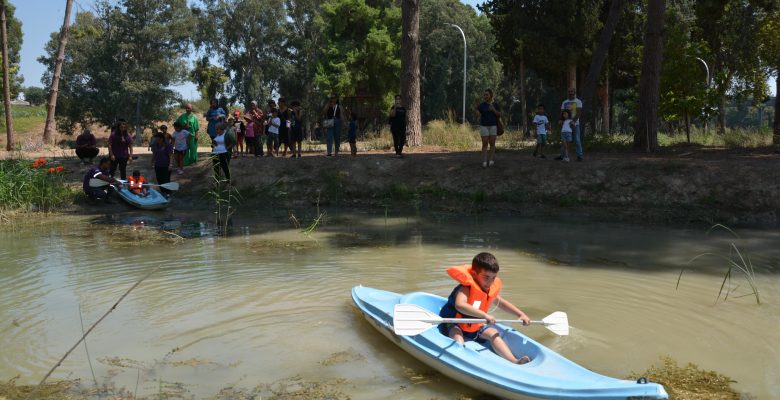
point(135, 185)
point(477, 297)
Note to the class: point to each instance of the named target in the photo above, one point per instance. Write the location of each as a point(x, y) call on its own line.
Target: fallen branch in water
point(84, 336)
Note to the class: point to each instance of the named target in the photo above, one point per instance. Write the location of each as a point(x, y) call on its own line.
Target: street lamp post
point(708, 82)
point(464, 68)
point(707, 69)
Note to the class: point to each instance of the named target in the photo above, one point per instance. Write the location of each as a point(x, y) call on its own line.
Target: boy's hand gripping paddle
point(411, 319)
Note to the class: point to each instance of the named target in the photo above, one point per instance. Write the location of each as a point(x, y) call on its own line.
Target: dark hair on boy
point(485, 261)
point(541, 106)
point(178, 125)
point(136, 173)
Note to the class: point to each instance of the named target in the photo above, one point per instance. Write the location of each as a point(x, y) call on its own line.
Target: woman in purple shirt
point(120, 149)
point(161, 159)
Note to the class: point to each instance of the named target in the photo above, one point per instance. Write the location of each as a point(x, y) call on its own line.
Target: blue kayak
point(154, 201)
point(548, 376)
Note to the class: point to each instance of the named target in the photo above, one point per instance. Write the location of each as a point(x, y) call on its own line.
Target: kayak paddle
point(94, 182)
point(170, 185)
point(411, 319)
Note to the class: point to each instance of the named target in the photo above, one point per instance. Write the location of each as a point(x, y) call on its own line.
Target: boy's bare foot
point(523, 360)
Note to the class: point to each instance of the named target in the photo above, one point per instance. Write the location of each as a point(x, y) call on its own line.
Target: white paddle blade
point(558, 323)
point(410, 320)
point(95, 183)
point(174, 186)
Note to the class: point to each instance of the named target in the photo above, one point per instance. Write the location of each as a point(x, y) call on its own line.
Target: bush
point(450, 135)
point(32, 186)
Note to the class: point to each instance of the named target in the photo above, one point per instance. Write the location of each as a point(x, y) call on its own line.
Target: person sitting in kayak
point(478, 287)
point(136, 184)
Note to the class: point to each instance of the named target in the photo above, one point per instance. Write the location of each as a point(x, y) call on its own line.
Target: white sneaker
point(566, 159)
point(484, 164)
point(491, 163)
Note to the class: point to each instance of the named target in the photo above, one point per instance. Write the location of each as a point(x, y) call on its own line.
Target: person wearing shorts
point(273, 133)
point(488, 113)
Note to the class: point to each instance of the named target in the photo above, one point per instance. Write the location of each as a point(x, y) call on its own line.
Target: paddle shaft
point(476, 321)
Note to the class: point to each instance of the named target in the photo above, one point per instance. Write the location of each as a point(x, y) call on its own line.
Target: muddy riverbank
point(682, 187)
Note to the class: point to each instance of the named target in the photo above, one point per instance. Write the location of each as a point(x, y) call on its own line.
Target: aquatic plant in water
point(689, 382)
point(736, 260)
point(224, 202)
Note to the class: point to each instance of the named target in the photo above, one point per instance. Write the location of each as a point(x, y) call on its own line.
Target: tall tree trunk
point(646, 136)
point(571, 77)
point(9, 120)
point(523, 102)
point(776, 135)
point(410, 70)
point(596, 65)
point(48, 130)
point(605, 113)
point(722, 113)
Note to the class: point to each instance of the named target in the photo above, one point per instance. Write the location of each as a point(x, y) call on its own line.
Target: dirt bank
point(700, 186)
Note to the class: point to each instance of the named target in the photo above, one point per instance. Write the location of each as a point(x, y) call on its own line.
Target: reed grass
point(24, 188)
point(225, 197)
point(735, 261)
point(450, 135)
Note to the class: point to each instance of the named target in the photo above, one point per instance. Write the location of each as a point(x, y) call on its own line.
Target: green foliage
point(250, 39)
point(210, 79)
point(548, 35)
point(14, 30)
point(731, 31)
point(441, 58)
point(36, 95)
point(23, 187)
point(683, 79)
point(119, 55)
point(305, 37)
point(361, 48)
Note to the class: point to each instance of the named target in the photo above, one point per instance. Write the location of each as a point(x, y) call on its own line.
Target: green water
point(269, 305)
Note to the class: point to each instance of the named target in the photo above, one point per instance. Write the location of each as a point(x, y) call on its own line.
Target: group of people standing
point(264, 132)
point(489, 115)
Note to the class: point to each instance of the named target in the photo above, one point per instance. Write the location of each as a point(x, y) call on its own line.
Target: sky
point(42, 17)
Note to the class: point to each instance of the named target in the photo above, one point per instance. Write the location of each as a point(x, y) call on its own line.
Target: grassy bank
point(26, 118)
point(32, 186)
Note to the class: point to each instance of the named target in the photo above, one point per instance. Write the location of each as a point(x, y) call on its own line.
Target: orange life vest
point(477, 297)
point(134, 185)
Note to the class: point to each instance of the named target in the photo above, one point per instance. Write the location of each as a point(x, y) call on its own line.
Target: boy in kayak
point(479, 287)
point(136, 184)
